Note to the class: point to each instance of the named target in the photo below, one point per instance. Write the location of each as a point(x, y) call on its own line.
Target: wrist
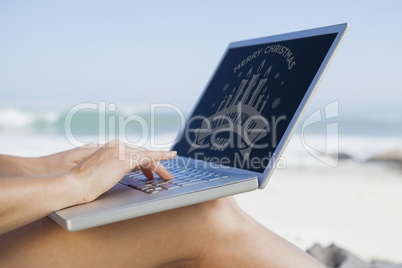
point(15, 166)
point(70, 190)
point(34, 166)
point(43, 164)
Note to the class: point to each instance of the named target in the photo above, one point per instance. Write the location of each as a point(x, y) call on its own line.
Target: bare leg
point(211, 234)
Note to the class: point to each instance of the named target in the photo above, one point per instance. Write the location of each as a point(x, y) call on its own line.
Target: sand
point(356, 205)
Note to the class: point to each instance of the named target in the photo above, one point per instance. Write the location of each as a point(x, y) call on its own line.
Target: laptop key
point(197, 182)
point(193, 179)
point(181, 177)
point(211, 178)
point(169, 186)
point(184, 183)
point(149, 191)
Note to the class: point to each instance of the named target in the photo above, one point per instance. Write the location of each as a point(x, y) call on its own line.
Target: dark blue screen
point(250, 101)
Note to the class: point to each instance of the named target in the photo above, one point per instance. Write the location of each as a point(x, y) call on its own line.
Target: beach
point(356, 206)
point(77, 72)
point(352, 202)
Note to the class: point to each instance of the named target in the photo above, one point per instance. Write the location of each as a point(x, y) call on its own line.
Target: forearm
point(14, 166)
point(27, 199)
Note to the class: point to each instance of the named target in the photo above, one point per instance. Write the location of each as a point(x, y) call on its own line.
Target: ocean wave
point(86, 122)
point(13, 118)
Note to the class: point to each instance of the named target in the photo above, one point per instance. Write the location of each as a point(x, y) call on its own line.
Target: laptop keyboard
point(182, 177)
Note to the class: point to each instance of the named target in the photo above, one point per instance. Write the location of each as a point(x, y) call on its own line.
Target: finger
point(158, 168)
point(162, 172)
point(145, 158)
point(91, 145)
point(156, 156)
point(85, 152)
point(136, 168)
point(147, 172)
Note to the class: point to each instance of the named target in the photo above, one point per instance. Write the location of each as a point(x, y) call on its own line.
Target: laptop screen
point(250, 101)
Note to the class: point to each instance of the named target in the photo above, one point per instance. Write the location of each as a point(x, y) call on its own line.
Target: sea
point(32, 129)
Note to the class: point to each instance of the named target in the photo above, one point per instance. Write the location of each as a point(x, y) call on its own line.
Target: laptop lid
point(251, 105)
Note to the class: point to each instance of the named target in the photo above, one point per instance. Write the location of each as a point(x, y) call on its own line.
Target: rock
point(336, 257)
point(392, 157)
point(381, 264)
point(340, 156)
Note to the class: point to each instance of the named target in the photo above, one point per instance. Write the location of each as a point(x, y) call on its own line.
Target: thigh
point(149, 241)
point(211, 234)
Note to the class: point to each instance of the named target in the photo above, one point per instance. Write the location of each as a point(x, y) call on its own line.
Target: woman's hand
point(101, 170)
point(64, 161)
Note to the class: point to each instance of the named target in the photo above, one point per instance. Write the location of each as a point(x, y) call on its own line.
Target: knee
point(229, 235)
point(221, 205)
point(224, 219)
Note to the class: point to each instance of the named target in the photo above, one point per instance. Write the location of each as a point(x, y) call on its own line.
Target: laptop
point(236, 133)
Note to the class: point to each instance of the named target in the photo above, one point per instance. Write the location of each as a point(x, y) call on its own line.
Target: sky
point(140, 52)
